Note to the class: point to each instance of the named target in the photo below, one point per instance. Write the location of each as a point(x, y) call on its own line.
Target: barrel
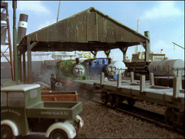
point(167, 67)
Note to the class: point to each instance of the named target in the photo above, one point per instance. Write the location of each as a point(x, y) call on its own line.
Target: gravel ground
point(103, 122)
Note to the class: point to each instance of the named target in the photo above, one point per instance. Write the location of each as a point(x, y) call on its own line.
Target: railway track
point(150, 116)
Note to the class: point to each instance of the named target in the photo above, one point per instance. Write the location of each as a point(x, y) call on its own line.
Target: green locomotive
point(69, 70)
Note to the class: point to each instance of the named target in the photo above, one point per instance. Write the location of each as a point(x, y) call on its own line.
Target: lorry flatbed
point(58, 110)
point(59, 95)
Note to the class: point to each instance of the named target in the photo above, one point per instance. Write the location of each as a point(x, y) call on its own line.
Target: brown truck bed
point(59, 95)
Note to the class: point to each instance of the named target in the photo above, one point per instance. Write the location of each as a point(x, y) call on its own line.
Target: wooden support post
point(24, 68)
point(147, 51)
point(176, 87)
point(119, 79)
point(29, 65)
point(102, 78)
point(147, 46)
point(19, 67)
point(131, 77)
point(151, 79)
point(142, 83)
point(179, 75)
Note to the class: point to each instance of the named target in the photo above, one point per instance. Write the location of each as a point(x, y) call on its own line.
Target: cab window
point(16, 99)
point(3, 99)
point(33, 93)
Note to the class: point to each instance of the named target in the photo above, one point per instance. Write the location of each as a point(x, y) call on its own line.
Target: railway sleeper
point(175, 118)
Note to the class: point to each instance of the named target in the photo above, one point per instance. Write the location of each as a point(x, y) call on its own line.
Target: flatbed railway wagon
point(115, 92)
point(23, 113)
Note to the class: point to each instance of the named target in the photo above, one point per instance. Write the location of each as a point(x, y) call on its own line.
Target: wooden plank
point(81, 28)
point(92, 27)
point(110, 32)
point(102, 28)
point(72, 30)
point(60, 97)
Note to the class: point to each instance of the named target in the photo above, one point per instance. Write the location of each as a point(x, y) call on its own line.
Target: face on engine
point(78, 70)
point(111, 69)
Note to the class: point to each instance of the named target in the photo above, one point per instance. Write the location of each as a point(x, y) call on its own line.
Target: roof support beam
point(124, 50)
point(94, 53)
point(107, 52)
point(33, 44)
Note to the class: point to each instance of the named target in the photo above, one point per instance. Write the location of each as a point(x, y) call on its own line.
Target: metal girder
point(4, 10)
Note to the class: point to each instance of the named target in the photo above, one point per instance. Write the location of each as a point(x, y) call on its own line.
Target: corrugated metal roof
point(88, 30)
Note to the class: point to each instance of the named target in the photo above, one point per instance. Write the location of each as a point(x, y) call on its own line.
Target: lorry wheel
point(6, 132)
point(58, 134)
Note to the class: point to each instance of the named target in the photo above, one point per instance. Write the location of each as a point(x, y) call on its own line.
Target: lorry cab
point(14, 100)
point(23, 112)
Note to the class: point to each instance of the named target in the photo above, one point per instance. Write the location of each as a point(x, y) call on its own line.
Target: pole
point(178, 45)
point(136, 47)
point(14, 6)
point(58, 10)
point(22, 27)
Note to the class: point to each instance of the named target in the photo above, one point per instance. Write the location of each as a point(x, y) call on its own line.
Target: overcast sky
point(164, 20)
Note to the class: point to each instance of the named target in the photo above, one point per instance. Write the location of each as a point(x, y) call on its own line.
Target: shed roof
point(89, 30)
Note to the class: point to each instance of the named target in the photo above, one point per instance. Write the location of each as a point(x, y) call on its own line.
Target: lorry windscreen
point(16, 99)
point(3, 99)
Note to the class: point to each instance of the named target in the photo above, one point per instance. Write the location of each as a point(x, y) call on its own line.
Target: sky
point(163, 19)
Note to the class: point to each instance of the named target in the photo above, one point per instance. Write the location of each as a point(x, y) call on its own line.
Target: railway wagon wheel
point(6, 132)
point(112, 100)
point(115, 100)
point(121, 98)
point(130, 101)
point(58, 134)
point(104, 97)
point(169, 116)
